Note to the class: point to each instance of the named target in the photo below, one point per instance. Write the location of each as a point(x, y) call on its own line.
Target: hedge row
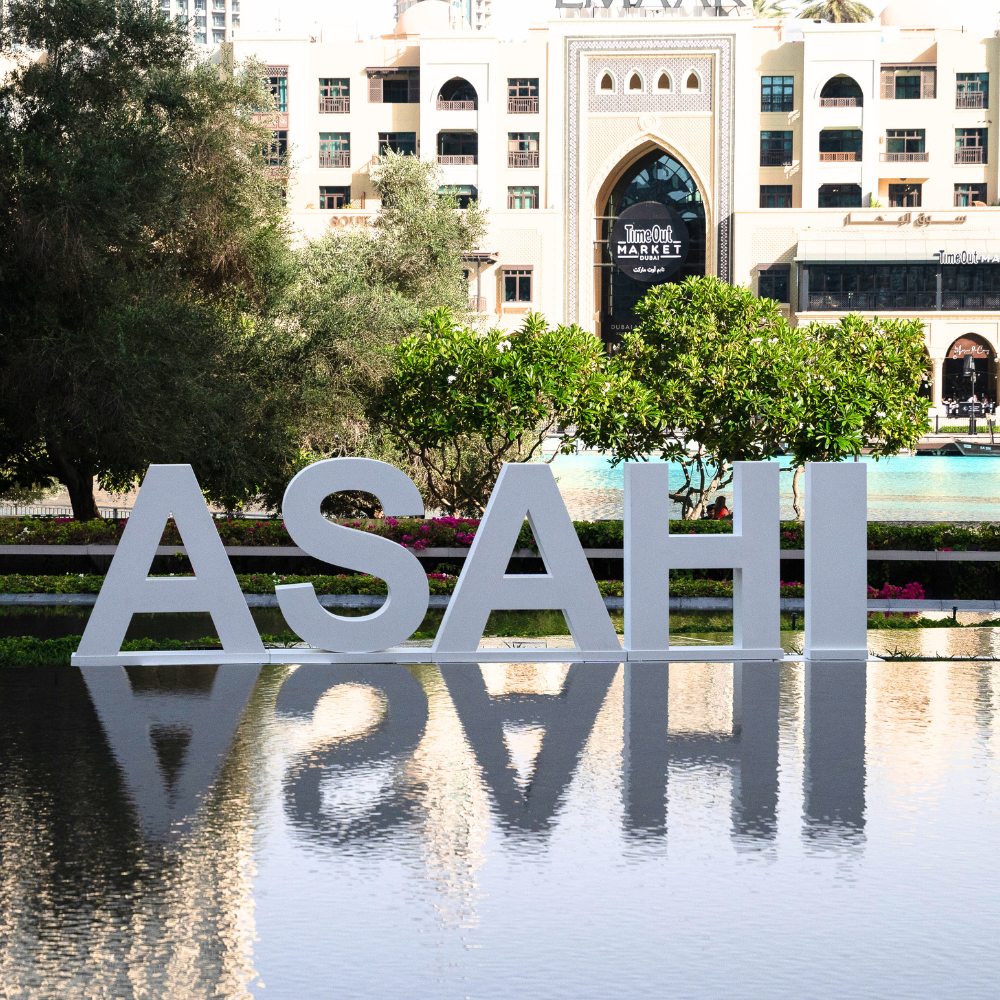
point(264, 583)
point(453, 532)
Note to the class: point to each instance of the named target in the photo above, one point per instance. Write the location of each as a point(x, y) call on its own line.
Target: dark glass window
point(396, 91)
point(840, 140)
point(397, 142)
point(522, 87)
point(464, 194)
point(463, 144)
point(277, 151)
point(278, 87)
point(777, 93)
point(844, 90)
point(971, 286)
point(522, 197)
point(869, 287)
point(334, 87)
point(905, 140)
point(773, 284)
point(334, 197)
point(776, 196)
point(908, 86)
point(905, 195)
point(458, 90)
point(840, 196)
point(973, 90)
point(970, 145)
point(776, 149)
point(966, 194)
point(516, 285)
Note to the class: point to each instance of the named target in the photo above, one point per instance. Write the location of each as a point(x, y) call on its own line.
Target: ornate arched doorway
point(956, 385)
point(656, 176)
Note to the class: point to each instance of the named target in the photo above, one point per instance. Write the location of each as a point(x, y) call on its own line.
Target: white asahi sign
point(835, 571)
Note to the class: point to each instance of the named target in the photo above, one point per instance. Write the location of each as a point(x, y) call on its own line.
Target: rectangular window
point(909, 83)
point(218, 37)
point(397, 142)
point(840, 145)
point(905, 145)
point(235, 6)
point(200, 37)
point(969, 195)
point(458, 148)
point(198, 4)
point(218, 20)
point(277, 151)
point(464, 194)
point(772, 282)
point(970, 145)
point(236, 20)
point(905, 195)
point(522, 197)
point(776, 196)
point(334, 197)
point(777, 93)
point(334, 95)
point(516, 284)
point(218, 4)
point(522, 95)
point(522, 149)
point(335, 149)
point(277, 85)
point(396, 91)
point(840, 196)
point(200, 23)
point(972, 90)
point(872, 287)
point(776, 149)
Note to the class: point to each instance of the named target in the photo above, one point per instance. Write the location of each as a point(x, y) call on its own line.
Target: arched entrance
point(956, 385)
point(656, 176)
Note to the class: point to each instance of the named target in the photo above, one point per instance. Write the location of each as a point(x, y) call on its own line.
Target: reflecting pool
point(502, 830)
point(904, 488)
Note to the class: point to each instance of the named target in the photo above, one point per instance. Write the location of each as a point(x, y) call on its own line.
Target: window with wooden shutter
point(374, 90)
point(888, 84)
point(928, 82)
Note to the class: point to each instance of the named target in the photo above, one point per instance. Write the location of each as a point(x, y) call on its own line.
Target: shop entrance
point(657, 176)
point(957, 389)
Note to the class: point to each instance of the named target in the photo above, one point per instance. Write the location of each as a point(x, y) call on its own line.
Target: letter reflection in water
point(751, 751)
point(835, 713)
point(170, 729)
point(389, 742)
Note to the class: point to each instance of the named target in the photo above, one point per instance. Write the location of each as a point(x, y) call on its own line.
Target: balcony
point(839, 102)
point(905, 157)
point(335, 159)
point(334, 105)
point(840, 157)
point(971, 301)
point(522, 105)
point(775, 158)
point(970, 154)
point(456, 161)
point(271, 119)
point(871, 301)
point(975, 100)
point(518, 158)
point(477, 303)
point(456, 105)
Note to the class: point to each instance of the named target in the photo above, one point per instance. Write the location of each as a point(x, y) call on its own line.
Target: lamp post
point(969, 371)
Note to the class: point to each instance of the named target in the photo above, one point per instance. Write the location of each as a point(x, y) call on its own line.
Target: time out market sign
point(835, 571)
point(966, 257)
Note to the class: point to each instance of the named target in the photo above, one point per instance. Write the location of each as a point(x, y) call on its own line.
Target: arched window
point(457, 95)
point(657, 176)
point(693, 84)
point(663, 82)
point(635, 82)
point(607, 83)
point(957, 385)
point(841, 92)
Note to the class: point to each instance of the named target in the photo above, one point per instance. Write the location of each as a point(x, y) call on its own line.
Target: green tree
point(838, 11)
point(861, 386)
point(713, 375)
point(142, 247)
point(462, 402)
point(362, 291)
point(769, 8)
point(699, 382)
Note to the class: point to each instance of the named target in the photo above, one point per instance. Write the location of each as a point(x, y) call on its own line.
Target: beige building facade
point(836, 168)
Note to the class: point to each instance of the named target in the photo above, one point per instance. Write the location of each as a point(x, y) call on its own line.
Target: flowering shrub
point(911, 592)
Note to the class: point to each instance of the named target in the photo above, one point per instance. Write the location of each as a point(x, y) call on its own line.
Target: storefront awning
point(884, 251)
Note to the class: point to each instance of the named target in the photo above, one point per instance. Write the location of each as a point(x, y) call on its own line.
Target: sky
point(510, 17)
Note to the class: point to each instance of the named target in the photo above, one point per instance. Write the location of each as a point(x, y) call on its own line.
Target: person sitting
point(719, 511)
